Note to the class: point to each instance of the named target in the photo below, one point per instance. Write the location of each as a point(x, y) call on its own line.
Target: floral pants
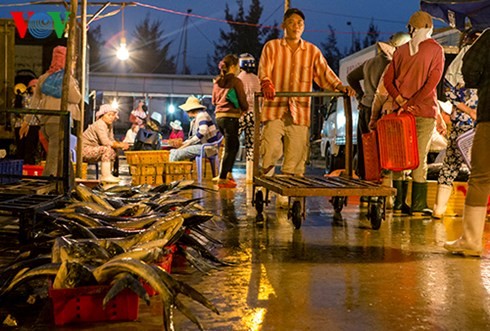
point(453, 159)
point(98, 153)
point(247, 126)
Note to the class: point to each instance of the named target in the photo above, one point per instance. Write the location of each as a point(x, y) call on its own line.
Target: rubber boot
point(443, 195)
point(419, 199)
point(249, 169)
point(400, 206)
point(470, 243)
point(387, 181)
point(106, 170)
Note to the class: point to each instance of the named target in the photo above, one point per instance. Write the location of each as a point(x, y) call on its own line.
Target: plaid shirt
point(293, 72)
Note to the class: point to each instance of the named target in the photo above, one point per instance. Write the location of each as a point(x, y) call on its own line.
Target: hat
point(292, 11)
point(420, 20)
point(58, 60)
point(157, 117)
point(192, 103)
point(104, 109)
point(176, 125)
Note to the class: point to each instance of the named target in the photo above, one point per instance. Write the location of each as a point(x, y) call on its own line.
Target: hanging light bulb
point(115, 104)
point(122, 53)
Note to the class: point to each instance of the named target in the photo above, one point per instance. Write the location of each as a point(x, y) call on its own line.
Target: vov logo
point(40, 25)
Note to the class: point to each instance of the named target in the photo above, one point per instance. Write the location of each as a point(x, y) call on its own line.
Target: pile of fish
point(119, 237)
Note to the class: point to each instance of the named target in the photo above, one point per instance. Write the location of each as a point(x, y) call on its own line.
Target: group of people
point(406, 79)
point(402, 77)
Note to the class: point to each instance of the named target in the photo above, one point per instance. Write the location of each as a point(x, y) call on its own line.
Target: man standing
point(411, 80)
point(370, 72)
point(476, 74)
point(291, 64)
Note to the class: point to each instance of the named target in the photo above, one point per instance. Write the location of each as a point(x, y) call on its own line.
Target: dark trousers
point(229, 128)
point(362, 127)
point(27, 147)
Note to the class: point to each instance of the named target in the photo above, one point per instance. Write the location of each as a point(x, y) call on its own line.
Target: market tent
point(455, 12)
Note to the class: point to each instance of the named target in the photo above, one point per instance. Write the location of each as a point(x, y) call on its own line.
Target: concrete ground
point(332, 274)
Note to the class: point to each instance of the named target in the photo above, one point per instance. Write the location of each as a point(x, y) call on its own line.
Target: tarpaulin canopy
point(455, 12)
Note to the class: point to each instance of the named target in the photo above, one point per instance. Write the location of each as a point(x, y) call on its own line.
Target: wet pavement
point(332, 274)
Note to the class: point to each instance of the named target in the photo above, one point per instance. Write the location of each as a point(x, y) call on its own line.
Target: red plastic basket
point(397, 141)
point(165, 264)
point(372, 166)
point(84, 304)
point(32, 170)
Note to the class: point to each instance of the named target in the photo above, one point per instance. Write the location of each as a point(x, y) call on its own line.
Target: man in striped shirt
point(291, 64)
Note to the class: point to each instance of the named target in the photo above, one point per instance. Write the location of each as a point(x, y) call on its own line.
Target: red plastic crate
point(84, 304)
point(397, 141)
point(165, 264)
point(372, 166)
point(32, 170)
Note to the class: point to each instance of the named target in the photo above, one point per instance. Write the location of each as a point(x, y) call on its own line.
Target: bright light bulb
point(122, 52)
point(171, 109)
point(115, 104)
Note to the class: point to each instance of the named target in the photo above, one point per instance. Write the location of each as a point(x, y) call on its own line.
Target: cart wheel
point(259, 202)
point(338, 203)
point(296, 214)
point(375, 215)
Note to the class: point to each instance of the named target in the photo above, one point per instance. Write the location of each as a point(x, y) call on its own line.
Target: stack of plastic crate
point(178, 170)
point(147, 167)
point(10, 167)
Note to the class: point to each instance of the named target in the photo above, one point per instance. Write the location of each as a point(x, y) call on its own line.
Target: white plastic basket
point(464, 143)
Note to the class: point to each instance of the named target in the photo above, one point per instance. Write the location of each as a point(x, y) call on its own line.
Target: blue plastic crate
point(10, 167)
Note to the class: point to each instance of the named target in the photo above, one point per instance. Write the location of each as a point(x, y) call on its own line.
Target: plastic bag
point(53, 84)
point(232, 98)
point(147, 140)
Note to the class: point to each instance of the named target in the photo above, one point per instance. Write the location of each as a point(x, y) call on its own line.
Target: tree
point(149, 52)
point(331, 50)
point(372, 35)
point(242, 38)
point(95, 43)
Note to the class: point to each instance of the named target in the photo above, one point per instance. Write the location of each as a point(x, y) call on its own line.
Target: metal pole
point(287, 4)
point(63, 153)
point(83, 87)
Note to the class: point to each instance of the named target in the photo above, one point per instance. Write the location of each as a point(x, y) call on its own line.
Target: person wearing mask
point(464, 101)
point(202, 130)
point(383, 105)
point(44, 98)
point(99, 143)
point(291, 64)
point(251, 84)
point(139, 115)
point(411, 80)
point(230, 103)
point(476, 74)
point(370, 73)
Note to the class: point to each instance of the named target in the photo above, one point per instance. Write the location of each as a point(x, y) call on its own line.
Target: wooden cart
point(298, 188)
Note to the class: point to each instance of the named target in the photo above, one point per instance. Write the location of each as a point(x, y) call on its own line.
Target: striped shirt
point(293, 72)
point(203, 130)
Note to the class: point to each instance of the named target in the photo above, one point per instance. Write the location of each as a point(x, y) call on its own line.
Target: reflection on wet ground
point(329, 275)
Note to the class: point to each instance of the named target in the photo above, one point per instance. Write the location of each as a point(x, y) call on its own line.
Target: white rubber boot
point(106, 170)
point(249, 172)
point(470, 243)
point(443, 195)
